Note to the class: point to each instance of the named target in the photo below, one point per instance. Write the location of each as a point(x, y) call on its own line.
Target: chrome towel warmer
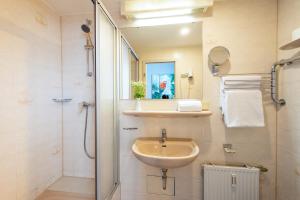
point(274, 78)
point(274, 85)
point(263, 84)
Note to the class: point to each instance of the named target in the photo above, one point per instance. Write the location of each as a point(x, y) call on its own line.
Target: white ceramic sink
point(173, 153)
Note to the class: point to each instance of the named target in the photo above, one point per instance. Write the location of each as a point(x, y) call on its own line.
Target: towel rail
point(274, 78)
point(241, 88)
point(249, 81)
point(244, 74)
point(264, 83)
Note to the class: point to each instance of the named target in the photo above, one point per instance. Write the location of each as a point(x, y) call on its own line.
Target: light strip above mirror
point(162, 13)
point(148, 9)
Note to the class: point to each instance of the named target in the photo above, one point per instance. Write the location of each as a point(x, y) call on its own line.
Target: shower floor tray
point(70, 188)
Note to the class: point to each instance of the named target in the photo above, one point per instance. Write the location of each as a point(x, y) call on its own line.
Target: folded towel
point(189, 106)
point(241, 101)
point(243, 108)
point(238, 82)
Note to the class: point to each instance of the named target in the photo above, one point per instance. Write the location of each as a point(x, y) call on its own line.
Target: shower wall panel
point(106, 106)
point(79, 87)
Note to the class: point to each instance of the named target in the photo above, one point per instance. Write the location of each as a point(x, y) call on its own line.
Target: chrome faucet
point(163, 135)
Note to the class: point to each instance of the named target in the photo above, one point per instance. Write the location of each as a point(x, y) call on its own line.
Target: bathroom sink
point(173, 153)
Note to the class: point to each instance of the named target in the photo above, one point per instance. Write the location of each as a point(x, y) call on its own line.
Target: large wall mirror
point(168, 59)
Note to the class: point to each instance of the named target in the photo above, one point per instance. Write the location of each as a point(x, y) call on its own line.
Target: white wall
point(288, 116)
point(78, 86)
point(248, 30)
point(30, 76)
point(186, 58)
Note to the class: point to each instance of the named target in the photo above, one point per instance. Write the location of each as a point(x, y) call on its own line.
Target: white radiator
point(230, 183)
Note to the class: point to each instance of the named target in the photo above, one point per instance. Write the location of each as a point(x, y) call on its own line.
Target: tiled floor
point(70, 188)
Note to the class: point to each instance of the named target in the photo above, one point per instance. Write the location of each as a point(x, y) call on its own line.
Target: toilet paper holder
point(228, 148)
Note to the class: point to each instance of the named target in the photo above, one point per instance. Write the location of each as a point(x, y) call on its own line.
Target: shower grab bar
point(274, 84)
point(61, 100)
point(130, 128)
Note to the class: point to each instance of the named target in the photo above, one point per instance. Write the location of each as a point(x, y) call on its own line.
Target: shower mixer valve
point(85, 104)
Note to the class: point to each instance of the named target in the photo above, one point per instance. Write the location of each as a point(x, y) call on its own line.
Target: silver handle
point(228, 148)
point(274, 92)
point(274, 81)
point(60, 100)
point(130, 129)
point(233, 180)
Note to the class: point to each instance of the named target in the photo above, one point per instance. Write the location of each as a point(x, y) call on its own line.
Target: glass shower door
point(106, 105)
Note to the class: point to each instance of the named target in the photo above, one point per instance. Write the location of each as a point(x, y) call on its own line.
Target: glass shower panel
point(105, 102)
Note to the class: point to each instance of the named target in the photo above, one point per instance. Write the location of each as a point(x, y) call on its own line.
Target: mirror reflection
point(129, 71)
point(167, 59)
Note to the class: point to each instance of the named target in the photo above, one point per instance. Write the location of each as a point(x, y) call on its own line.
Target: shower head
point(85, 28)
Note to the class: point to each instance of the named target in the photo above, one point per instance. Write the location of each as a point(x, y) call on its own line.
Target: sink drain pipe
point(164, 178)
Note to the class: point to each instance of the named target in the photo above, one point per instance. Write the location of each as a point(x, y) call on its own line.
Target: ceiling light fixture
point(148, 9)
point(162, 13)
point(164, 21)
point(185, 31)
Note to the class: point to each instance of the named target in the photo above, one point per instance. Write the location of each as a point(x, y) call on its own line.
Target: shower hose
point(85, 133)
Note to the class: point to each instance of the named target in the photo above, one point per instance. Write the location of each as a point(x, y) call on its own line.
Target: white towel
point(243, 108)
point(241, 101)
point(189, 106)
point(238, 82)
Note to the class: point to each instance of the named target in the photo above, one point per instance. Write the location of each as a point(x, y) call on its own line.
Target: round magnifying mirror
point(219, 55)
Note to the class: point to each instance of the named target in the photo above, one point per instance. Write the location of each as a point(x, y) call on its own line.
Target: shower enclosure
point(89, 58)
point(106, 104)
point(58, 72)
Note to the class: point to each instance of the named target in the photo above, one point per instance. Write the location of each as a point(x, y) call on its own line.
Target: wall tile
point(288, 164)
point(30, 76)
point(79, 87)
